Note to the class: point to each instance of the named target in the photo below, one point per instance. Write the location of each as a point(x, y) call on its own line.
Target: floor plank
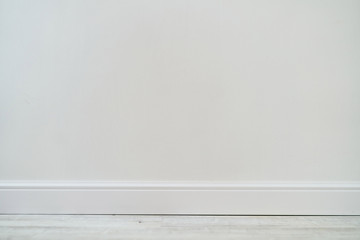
point(178, 227)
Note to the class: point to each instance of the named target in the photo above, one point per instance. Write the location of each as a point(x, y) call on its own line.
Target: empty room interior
point(179, 119)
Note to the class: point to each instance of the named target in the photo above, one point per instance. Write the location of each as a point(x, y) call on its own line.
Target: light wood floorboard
point(51, 227)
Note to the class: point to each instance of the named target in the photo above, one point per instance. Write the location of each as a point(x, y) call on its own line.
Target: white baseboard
point(92, 197)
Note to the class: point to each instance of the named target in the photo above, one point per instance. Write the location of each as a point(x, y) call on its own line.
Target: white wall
point(180, 90)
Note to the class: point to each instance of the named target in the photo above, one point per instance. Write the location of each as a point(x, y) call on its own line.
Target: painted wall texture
point(180, 90)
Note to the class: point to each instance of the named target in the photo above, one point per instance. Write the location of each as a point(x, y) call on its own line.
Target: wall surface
point(180, 90)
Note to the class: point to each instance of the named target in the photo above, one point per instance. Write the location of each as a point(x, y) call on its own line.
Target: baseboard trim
point(244, 198)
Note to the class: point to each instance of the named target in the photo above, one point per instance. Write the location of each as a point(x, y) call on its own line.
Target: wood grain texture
point(177, 227)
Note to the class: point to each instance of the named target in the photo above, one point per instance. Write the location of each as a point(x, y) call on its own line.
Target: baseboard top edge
point(177, 185)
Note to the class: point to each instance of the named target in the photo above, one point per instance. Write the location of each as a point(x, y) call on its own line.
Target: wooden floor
point(178, 227)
